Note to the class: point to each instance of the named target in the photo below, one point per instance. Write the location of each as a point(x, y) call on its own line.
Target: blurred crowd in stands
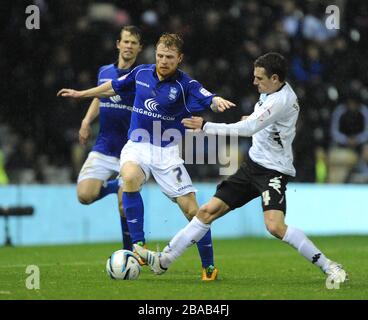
point(328, 70)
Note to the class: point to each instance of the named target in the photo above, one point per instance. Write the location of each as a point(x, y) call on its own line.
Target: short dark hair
point(273, 63)
point(135, 31)
point(171, 40)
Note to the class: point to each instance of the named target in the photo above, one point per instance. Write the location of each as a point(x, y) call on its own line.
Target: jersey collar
point(122, 72)
point(279, 89)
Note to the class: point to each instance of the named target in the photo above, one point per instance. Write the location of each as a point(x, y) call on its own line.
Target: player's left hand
point(70, 93)
point(193, 122)
point(222, 104)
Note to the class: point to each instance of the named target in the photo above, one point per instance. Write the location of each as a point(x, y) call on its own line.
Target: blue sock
point(111, 186)
point(134, 211)
point(127, 241)
point(206, 250)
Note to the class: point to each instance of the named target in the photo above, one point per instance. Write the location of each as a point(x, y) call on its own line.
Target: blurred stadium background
point(39, 152)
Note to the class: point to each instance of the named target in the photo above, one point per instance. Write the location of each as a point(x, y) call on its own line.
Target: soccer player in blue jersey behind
point(164, 96)
point(114, 119)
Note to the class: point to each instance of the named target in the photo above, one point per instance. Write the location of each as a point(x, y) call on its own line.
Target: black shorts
point(251, 181)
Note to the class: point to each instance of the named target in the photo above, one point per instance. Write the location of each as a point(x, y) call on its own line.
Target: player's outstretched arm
point(269, 113)
point(220, 104)
point(103, 91)
point(91, 115)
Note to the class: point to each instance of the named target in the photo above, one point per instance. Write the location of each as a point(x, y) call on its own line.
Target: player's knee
point(132, 180)
point(86, 197)
point(131, 184)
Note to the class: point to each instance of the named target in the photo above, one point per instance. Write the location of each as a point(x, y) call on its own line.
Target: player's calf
point(212, 210)
point(275, 223)
point(276, 230)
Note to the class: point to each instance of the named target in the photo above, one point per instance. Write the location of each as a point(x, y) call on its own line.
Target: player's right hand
point(193, 122)
point(222, 104)
point(71, 93)
point(84, 134)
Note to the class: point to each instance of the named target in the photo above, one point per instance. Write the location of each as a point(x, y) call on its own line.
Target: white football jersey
point(272, 127)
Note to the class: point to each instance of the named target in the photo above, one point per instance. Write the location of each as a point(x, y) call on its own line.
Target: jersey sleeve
point(270, 112)
point(199, 98)
point(100, 75)
point(125, 83)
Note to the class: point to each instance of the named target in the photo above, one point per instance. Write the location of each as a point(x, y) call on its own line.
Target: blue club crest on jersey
point(173, 92)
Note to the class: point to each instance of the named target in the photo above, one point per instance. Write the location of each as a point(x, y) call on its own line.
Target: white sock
point(305, 247)
point(191, 234)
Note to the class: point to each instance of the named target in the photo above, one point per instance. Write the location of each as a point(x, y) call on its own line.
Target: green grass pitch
point(250, 268)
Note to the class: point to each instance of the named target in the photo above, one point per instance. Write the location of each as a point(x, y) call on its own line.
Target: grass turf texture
point(250, 268)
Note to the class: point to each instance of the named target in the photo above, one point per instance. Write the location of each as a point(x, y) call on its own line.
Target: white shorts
point(165, 164)
point(99, 166)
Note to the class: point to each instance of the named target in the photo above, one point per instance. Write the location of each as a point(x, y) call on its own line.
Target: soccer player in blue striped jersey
point(164, 96)
point(114, 115)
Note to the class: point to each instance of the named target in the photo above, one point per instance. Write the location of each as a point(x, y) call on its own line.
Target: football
point(123, 265)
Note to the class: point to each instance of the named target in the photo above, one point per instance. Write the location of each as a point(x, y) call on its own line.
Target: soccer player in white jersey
point(165, 95)
point(265, 173)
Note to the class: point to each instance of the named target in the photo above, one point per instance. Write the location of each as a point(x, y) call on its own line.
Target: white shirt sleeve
point(270, 111)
